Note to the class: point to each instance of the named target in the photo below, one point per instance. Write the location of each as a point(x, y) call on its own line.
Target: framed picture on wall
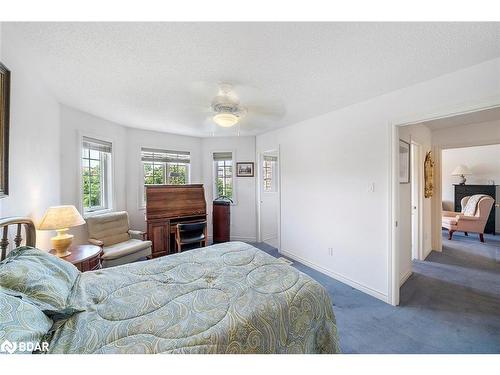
point(404, 162)
point(244, 169)
point(4, 130)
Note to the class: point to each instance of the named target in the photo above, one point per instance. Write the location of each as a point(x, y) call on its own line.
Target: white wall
point(34, 142)
point(243, 220)
point(127, 144)
point(422, 135)
point(486, 133)
point(74, 124)
point(142, 138)
point(484, 163)
point(327, 203)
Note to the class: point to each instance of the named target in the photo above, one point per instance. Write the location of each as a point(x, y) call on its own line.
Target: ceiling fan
point(225, 109)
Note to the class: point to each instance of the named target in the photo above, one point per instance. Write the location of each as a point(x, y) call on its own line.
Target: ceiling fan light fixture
point(226, 120)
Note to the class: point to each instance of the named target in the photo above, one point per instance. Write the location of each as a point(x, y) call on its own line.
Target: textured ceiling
point(478, 117)
point(162, 76)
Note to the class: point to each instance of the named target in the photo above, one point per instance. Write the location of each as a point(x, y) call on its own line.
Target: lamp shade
point(60, 217)
point(461, 170)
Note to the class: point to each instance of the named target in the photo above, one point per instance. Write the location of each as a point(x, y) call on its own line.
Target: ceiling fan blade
point(277, 111)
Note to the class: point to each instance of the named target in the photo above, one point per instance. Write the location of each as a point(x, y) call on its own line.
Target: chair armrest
point(137, 234)
point(450, 213)
point(99, 243)
point(469, 218)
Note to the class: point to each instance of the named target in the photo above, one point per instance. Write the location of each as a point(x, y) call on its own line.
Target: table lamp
point(462, 171)
point(60, 218)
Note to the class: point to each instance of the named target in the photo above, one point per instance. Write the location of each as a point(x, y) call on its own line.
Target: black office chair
point(191, 233)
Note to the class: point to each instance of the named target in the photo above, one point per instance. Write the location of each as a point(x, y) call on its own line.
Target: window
point(164, 167)
point(223, 172)
point(268, 172)
point(96, 175)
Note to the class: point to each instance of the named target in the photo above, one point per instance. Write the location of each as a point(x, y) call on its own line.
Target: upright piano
point(169, 205)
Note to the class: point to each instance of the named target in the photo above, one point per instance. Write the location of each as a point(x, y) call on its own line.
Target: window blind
point(96, 145)
point(270, 158)
point(165, 156)
point(219, 156)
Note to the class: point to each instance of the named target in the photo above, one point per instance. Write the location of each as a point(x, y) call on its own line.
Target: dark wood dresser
point(168, 205)
point(467, 190)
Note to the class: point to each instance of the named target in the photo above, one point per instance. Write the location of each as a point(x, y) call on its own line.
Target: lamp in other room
point(462, 171)
point(60, 218)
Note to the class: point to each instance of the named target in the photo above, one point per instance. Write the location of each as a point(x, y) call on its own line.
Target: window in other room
point(223, 174)
point(96, 175)
point(164, 167)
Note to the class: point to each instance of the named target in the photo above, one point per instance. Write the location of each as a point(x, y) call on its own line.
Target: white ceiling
point(478, 117)
point(162, 76)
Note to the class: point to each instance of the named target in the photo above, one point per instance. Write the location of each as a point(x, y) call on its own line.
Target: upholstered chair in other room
point(119, 243)
point(473, 218)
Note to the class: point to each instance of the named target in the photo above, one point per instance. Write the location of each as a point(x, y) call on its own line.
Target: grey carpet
point(451, 304)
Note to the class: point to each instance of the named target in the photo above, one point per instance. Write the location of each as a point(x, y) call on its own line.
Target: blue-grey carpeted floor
point(451, 304)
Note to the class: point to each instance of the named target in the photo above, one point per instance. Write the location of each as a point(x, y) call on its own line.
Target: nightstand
point(84, 257)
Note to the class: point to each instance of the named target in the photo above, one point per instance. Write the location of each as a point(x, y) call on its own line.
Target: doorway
point(269, 198)
point(453, 130)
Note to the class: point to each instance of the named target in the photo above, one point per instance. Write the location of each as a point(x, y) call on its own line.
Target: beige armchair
point(459, 221)
point(120, 244)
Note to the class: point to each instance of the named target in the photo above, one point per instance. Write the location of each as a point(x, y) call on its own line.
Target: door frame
point(258, 187)
point(393, 190)
point(417, 181)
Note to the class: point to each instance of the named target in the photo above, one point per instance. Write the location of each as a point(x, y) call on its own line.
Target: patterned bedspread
point(226, 298)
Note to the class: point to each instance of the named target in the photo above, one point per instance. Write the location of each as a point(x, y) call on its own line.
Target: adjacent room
point(264, 188)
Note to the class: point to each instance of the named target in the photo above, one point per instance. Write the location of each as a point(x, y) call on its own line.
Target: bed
point(225, 298)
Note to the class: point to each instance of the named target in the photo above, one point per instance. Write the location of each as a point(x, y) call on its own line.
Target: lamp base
point(462, 180)
point(61, 243)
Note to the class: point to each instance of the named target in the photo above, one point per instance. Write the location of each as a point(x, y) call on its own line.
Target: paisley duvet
point(226, 298)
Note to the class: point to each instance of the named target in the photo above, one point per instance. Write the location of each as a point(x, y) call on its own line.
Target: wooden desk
point(84, 257)
point(169, 205)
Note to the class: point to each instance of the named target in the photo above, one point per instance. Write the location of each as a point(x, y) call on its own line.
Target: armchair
point(119, 243)
point(466, 222)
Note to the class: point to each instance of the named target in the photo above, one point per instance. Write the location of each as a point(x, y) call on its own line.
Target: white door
point(269, 198)
point(415, 176)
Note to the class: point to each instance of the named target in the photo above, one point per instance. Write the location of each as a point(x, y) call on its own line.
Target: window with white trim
point(223, 174)
point(268, 173)
point(162, 167)
point(96, 175)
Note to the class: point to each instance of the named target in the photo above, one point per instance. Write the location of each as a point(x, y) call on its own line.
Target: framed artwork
point(4, 130)
point(428, 175)
point(404, 162)
point(245, 169)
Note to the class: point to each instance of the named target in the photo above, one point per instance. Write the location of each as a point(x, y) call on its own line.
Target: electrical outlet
point(330, 251)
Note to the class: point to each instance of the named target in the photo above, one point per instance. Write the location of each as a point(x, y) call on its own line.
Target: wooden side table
point(84, 257)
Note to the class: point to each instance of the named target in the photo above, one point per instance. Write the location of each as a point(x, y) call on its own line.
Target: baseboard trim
point(405, 277)
point(270, 237)
point(244, 239)
point(236, 238)
point(339, 277)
